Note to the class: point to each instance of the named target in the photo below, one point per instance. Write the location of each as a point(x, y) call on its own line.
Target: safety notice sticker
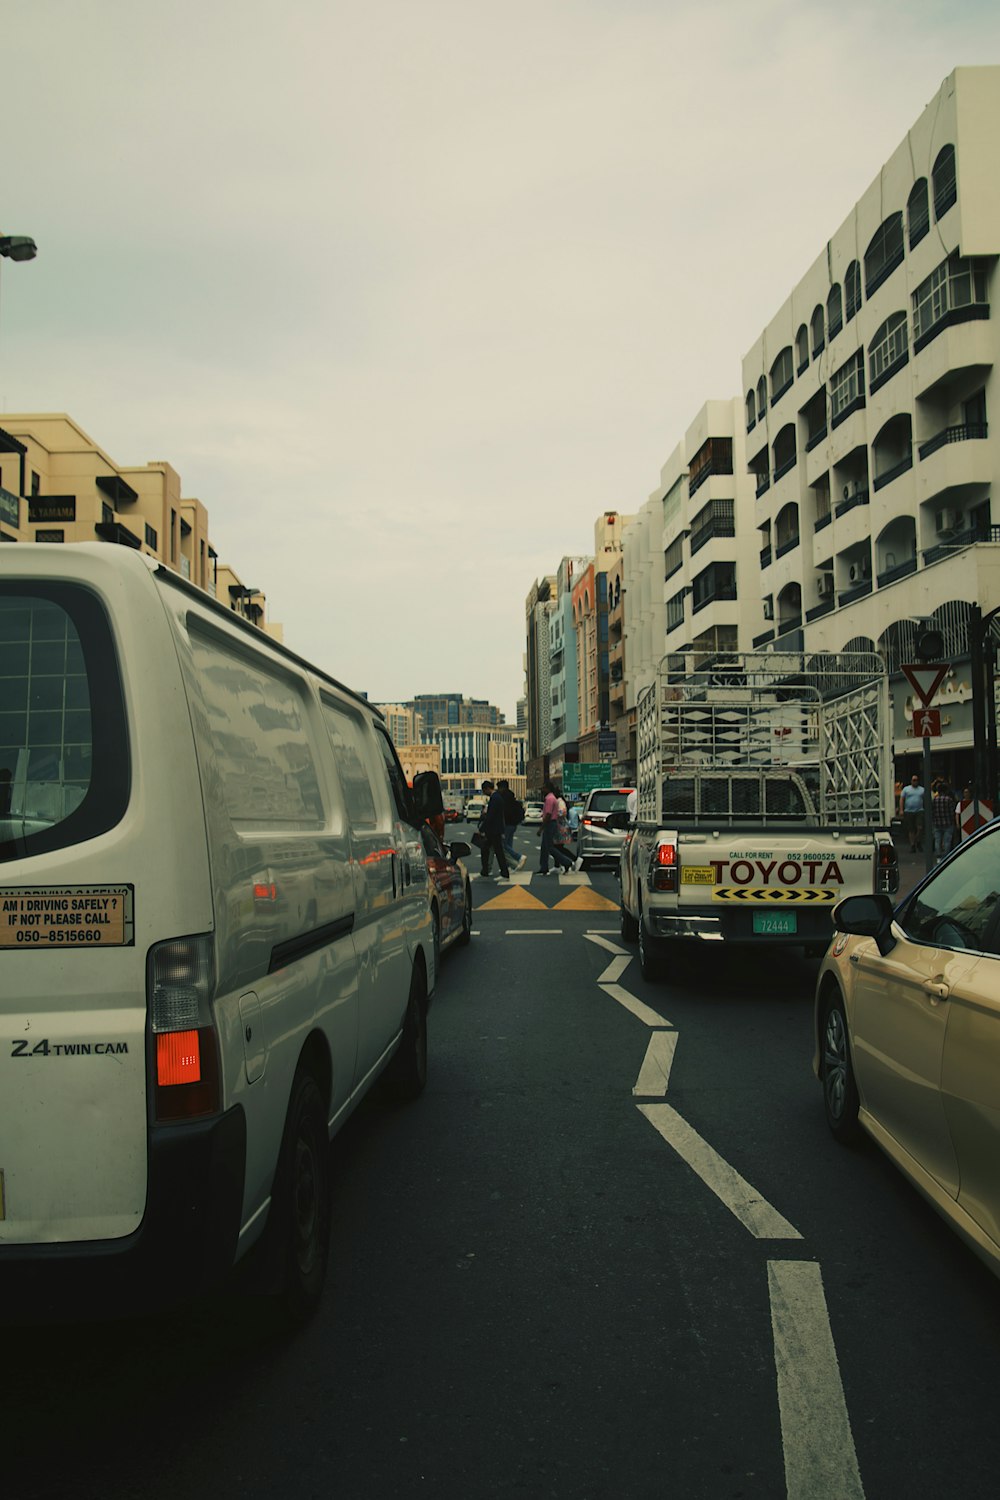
point(697, 875)
point(47, 917)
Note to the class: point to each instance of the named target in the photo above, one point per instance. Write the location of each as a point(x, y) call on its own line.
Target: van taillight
point(180, 983)
point(665, 867)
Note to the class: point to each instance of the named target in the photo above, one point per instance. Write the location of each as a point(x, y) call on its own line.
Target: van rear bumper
point(185, 1244)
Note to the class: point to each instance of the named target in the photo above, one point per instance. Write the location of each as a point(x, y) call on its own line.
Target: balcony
point(823, 520)
point(888, 475)
point(762, 640)
point(788, 545)
point(763, 484)
point(706, 533)
point(114, 531)
point(900, 570)
point(859, 496)
point(818, 610)
point(789, 636)
point(965, 432)
point(765, 557)
point(859, 591)
point(959, 540)
point(723, 592)
point(784, 467)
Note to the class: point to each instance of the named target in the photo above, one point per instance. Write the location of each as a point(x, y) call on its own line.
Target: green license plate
point(769, 922)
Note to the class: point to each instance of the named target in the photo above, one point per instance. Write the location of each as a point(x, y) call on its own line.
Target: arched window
point(786, 529)
point(782, 373)
point(852, 290)
point(884, 253)
point(818, 331)
point(918, 214)
point(888, 350)
point(802, 349)
point(834, 311)
point(944, 180)
point(784, 451)
point(751, 410)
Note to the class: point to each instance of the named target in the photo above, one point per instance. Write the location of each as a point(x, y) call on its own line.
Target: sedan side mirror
point(867, 916)
point(459, 849)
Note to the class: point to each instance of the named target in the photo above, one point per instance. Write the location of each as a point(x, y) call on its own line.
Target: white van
point(214, 935)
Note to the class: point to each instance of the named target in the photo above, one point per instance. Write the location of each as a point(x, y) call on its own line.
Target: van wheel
point(300, 1204)
point(406, 1075)
point(465, 936)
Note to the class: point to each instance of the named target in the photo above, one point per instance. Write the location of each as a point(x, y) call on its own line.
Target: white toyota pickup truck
point(764, 796)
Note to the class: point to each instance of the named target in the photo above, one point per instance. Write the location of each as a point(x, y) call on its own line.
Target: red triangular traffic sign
point(925, 678)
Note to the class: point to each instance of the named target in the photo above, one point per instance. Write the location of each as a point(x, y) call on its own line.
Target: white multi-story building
point(564, 716)
point(867, 401)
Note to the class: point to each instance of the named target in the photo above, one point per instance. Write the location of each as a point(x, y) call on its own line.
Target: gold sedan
point(908, 1035)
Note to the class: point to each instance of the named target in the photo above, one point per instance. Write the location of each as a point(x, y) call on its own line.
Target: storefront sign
point(45, 508)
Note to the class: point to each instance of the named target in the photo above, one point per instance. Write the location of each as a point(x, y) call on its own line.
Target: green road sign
point(578, 779)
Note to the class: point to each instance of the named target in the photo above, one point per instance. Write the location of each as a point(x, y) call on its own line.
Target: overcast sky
point(409, 293)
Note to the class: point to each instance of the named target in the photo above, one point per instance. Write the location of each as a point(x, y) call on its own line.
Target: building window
point(36, 484)
point(761, 397)
point(834, 312)
point(782, 374)
point(717, 518)
point(107, 514)
point(151, 538)
point(784, 452)
point(887, 351)
point(818, 332)
point(918, 215)
point(802, 349)
point(954, 291)
point(852, 290)
point(847, 388)
point(673, 557)
point(945, 181)
point(675, 610)
point(751, 411)
point(884, 253)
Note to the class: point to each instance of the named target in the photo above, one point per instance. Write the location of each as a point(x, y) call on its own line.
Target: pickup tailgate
point(773, 886)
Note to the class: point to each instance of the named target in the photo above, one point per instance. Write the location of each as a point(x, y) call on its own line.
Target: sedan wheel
point(840, 1092)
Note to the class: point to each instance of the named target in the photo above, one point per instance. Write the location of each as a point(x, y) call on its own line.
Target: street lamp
point(17, 247)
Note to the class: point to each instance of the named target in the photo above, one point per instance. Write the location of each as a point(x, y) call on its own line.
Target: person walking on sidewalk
point(491, 826)
point(549, 832)
point(911, 806)
point(943, 808)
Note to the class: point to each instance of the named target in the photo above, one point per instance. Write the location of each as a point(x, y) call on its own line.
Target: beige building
point(58, 485)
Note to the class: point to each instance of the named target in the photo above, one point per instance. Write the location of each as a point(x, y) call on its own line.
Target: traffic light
point(929, 642)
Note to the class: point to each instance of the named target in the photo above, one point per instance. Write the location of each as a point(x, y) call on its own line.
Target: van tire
point(300, 1204)
point(406, 1075)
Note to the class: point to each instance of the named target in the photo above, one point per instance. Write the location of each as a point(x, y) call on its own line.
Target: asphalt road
point(612, 1252)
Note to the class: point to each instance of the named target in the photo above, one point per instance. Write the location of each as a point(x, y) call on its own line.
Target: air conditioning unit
point(825, 585)
point(768, 609)
point(947, 520)
point(859, 571)
point(848, 491)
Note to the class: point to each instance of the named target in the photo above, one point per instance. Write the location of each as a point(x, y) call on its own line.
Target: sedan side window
point(957, 907)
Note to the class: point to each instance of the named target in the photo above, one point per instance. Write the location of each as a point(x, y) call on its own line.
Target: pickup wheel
point(628, 925)
point(840, 1091)
point(649, 952)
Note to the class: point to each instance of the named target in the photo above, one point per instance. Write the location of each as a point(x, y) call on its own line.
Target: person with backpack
point(513, 814)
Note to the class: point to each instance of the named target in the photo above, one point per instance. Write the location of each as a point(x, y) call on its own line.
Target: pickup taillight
point(887, 869)
point(665, 872)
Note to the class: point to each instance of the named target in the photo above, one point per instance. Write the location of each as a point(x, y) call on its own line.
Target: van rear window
point(64, 764)
point(608, 802)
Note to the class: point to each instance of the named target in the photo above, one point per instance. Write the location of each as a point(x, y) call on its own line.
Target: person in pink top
point(550, 823)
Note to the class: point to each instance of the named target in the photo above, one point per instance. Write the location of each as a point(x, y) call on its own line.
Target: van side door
point(379, 928)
